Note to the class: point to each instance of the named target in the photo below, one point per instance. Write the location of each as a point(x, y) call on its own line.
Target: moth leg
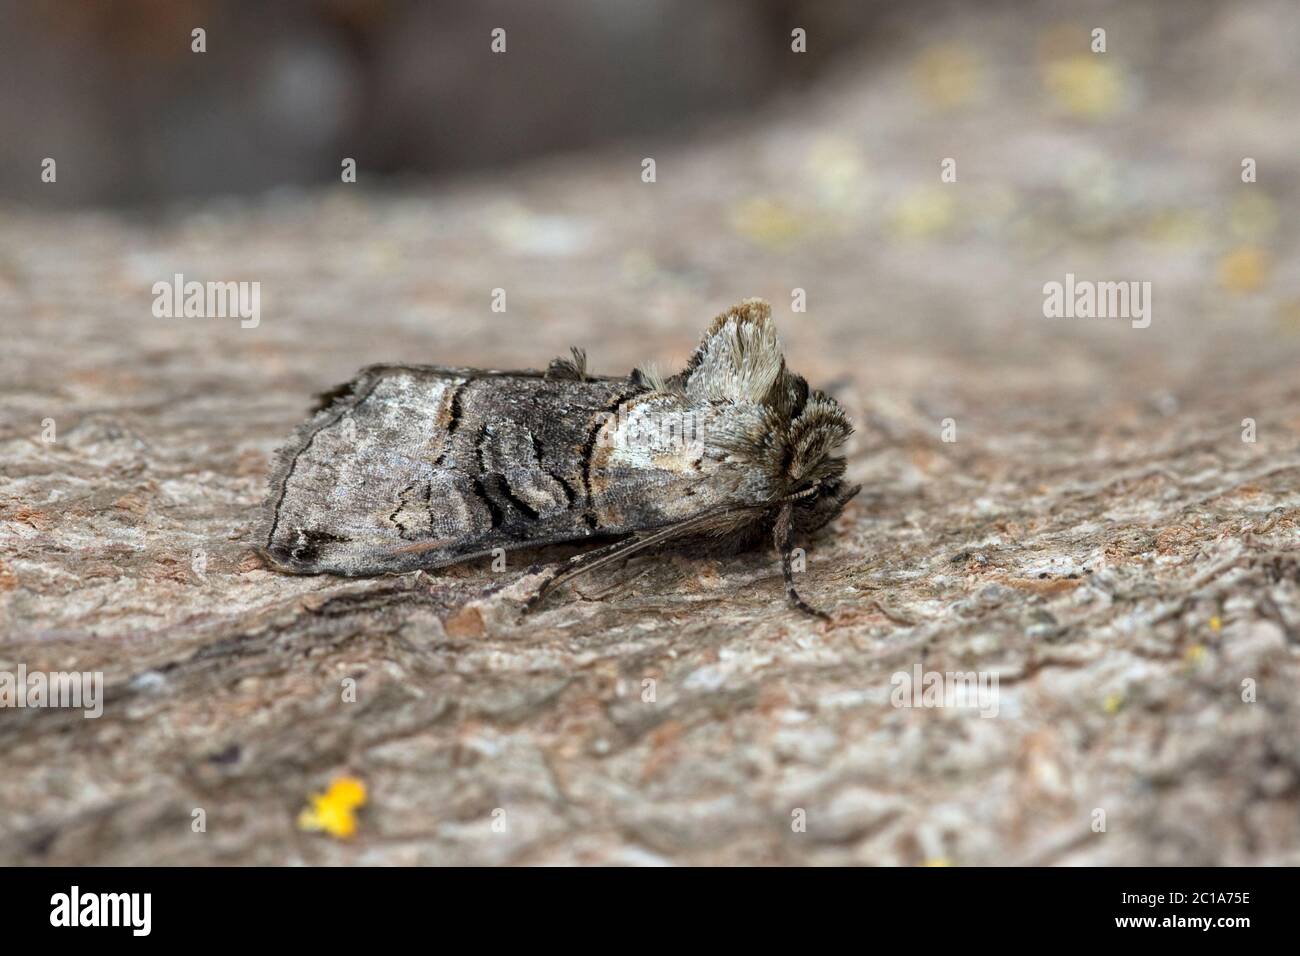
point(783, 537)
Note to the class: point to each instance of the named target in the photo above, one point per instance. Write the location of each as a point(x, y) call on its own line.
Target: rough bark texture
point(1099, 534)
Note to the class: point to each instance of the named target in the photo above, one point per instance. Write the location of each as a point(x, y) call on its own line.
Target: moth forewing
point(420, 466)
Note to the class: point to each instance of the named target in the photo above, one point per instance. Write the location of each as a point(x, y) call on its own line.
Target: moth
point(414, 467)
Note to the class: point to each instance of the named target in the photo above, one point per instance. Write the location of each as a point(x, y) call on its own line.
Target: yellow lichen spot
point(767, 221)
point(1085, 84)
point(334, 811)
point(949, 75)
point(1253, 217)
point(1113, 703)
point(838, 171)
point(937, 861)
point(1216, 625)
point(1244, 269)
point(1177, 227)
point(1194, 654)
point(924, 213)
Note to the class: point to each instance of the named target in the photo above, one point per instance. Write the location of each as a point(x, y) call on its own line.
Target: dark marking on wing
point(453, 420)
point(480, 442)
point(503, 483)
point(493, 508)
point(589, 442)
point(309, 541)
point(589, 447)
point(569, 495)
point(401, 503)
point(495, 483)
point(409, 523)
point(539, 451)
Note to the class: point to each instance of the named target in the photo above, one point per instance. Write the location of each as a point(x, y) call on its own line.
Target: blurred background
point(782, 165)
point(819, 167)
point(403, 86)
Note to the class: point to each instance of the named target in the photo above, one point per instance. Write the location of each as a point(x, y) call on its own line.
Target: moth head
point(795, 438)
point(813, 474)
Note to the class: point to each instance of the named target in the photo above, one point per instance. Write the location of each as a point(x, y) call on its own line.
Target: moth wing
point(420, 466)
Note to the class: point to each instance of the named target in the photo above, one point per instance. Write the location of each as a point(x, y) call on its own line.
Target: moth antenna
point(783, 537)
point(807, 492)
point(578, 566)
